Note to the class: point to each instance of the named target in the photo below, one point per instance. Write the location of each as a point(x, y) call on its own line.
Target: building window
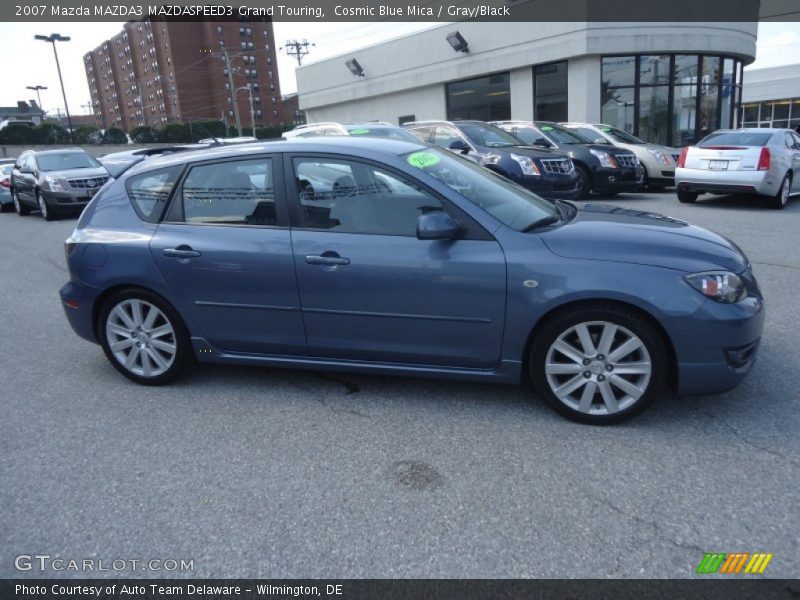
point(485, 98)
point(777, 113)
point(550, 91)
point(670, 99)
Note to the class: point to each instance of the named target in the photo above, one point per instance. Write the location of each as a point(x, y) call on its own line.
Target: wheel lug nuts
point(601, 378)
point(609, 368)
point(600, 357)
point(586, 361)
point(587, 374)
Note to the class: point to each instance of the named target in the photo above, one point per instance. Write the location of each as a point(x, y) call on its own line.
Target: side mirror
point(542, 142)
point(437, 225)
point(459, 146)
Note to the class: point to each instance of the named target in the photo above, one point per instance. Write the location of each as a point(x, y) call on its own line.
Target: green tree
point(18, 134)
point(143, 135)
point(50, 133)
point(115, 135)
point(86, 134)
point(174, 133)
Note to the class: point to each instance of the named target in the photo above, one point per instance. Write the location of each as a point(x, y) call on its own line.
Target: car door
point(24, 179)
point(444, 136)
point(372, 291)
point(224, 249)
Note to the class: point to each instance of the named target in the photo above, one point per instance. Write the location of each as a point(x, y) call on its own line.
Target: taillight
point(682, 157)
point(5, 183)
point(763, 160)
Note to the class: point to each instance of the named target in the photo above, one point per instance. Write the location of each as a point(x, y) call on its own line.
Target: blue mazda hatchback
point(384, 256)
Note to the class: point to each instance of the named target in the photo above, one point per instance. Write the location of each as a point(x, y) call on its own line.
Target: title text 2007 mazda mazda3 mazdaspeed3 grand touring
point(382, 256)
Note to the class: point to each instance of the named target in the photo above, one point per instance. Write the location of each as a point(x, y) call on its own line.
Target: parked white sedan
point(741, 161)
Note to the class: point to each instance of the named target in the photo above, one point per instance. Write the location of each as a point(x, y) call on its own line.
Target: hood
point(534, 151)
point(78, 173)
point(605, 232)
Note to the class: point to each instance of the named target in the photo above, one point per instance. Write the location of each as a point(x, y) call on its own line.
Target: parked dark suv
point(601, 169)
point(55, 181)
point(548, 173)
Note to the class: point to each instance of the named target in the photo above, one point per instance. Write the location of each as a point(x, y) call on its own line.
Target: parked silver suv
point(55, 181)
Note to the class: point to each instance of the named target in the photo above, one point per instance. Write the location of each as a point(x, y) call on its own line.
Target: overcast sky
point(30, 62)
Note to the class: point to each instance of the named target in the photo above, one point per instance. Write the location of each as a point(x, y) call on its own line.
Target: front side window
point(508, 202)
point(354, 197)
point(230, 193)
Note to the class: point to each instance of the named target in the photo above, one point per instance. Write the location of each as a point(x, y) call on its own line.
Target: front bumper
point(617, 180)
point(720, 345)
point(552, 186)
point(71, 199)
point(726, 182)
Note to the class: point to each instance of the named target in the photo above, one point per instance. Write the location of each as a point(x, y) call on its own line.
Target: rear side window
point(736, 138)
point(238, 192)
point(150, 191)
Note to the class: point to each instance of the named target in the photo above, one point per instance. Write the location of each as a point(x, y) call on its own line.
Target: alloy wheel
point(141, 338)
point(785, 191)
point(42, 205)
point(16, 203)
point(598, 368)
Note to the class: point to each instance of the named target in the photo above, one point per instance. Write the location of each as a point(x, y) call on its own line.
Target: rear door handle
point(327, 261)
point(181, 252)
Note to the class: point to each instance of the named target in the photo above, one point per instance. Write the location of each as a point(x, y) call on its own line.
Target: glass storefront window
point(780, 111)
point(550, 92)
point(654, 118)
point(619, 71)
point(685, 69)
point(654, 69)
point(484, 98)
point(707, 118)
point(750, 113)
point(684, 115)
point(619, 108)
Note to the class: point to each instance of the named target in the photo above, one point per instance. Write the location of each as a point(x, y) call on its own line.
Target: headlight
point(664, 159)
point(526, 164)
point(53, 184)
point(721, 286)
point(490, 159)
point(606, 160)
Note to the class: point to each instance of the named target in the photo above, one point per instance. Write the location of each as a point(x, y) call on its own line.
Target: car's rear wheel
point(780, 199)
point(687, 197)
point(47, 212)
point(599, 365)
point(143, 337)
point(20, 208)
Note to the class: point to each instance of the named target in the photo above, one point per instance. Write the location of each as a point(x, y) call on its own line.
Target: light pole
point(252, 114)
point(37, 89)
point(53, 38)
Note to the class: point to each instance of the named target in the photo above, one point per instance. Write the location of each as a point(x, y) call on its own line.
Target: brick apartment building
point(154, 73)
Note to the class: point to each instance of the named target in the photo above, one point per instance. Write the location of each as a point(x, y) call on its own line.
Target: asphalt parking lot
point(268, 473)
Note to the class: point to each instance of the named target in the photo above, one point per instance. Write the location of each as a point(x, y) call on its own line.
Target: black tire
point(20, 207)
point(687, 197)
point(48, 212)
point(654, 385)
point(584, 183)
point(180, 337)
point(781, 199)
point(6, 208)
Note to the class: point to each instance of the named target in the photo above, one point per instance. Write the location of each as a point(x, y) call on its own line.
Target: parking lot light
point(53, 38)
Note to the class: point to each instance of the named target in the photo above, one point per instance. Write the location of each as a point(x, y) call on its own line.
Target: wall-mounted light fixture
point(355, 68)
point(457, 41)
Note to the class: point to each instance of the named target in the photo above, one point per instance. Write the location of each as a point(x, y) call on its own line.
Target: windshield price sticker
point(422, 160)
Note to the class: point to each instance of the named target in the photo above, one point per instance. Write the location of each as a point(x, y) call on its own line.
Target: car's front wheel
point(599, 365)
point(143, 337)
point(47, 212)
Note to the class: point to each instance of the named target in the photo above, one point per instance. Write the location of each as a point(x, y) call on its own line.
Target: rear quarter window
point(150, 191)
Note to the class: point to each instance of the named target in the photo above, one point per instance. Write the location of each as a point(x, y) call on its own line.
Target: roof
point(59, 151)
point(357, 146)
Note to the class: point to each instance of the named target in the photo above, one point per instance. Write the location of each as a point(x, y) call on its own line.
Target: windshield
point(619, 135)
point(66, 161)
point(562, 135)
point(508, 202)
point(482, 134)
point(736, 138)
point(392, 133)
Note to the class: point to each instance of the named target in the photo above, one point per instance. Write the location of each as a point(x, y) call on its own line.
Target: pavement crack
point(350, 387)
point(741, 437)
point(321, 397)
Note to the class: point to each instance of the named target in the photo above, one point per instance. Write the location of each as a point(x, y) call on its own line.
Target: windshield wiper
point(543, 222)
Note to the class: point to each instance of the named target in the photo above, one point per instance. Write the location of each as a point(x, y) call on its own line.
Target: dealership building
point(669, 83)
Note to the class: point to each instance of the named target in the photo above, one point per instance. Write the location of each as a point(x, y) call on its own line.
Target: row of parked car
point(554, 160)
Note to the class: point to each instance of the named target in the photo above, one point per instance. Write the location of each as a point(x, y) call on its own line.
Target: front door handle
point(181, 252)
point(327, 261)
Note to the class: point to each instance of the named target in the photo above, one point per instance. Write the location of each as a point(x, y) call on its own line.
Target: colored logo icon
point(734, 563)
